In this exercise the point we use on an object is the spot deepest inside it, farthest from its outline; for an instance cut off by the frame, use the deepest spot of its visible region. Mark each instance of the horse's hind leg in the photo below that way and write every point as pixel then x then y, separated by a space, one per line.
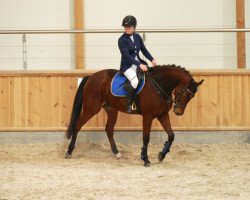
pixel 112 118
pixel 87 113
pixel 82 120
pixel 165 122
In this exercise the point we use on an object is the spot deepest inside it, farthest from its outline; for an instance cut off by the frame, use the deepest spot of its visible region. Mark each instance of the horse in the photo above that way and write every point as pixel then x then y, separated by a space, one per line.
pixel 162 83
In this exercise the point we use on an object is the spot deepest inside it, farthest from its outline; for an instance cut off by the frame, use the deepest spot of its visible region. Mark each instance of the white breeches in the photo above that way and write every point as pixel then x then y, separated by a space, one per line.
pixel 131 75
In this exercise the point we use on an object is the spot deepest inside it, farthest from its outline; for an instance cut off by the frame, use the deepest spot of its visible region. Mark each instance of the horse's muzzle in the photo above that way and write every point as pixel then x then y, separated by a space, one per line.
pixel 178 110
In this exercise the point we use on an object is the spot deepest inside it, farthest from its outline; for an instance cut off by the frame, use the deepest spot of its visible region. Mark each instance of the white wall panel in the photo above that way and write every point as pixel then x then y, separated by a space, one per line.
pixel 192 50
pixel 43 51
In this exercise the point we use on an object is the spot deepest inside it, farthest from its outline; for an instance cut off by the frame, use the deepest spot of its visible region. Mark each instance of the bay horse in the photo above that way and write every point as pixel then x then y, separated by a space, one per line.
pixel 154 101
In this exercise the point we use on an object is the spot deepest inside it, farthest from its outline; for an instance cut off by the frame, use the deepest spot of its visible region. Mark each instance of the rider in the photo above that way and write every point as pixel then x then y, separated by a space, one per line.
pixel 130 44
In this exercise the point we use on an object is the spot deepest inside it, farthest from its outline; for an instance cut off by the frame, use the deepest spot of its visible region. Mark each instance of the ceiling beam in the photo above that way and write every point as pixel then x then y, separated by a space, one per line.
pixel 241 40
pixel 79 37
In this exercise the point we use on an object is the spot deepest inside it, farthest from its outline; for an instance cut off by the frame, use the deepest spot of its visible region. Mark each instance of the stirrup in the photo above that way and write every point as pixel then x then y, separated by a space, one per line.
pixel 133 106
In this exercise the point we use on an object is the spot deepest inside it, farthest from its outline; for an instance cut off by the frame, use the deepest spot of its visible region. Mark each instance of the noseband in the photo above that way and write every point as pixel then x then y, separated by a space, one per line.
pixel 184 91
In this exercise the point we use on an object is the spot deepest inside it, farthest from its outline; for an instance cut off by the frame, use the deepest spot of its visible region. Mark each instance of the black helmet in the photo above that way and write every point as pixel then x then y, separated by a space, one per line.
pixel 129 21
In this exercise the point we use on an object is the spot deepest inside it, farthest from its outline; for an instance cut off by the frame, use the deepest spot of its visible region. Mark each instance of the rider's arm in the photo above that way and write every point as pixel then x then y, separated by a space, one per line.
pixel 144 50
pixel 125 53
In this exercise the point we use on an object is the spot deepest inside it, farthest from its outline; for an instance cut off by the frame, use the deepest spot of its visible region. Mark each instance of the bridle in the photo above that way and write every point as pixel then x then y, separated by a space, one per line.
pixel 184 91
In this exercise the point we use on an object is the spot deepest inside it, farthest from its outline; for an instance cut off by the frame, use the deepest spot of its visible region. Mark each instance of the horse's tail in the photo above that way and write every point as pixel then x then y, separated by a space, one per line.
pixel 77 108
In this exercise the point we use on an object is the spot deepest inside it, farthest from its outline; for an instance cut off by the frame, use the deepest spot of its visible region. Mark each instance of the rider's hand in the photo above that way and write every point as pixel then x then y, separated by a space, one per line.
pixel 154 63
pixel 143 67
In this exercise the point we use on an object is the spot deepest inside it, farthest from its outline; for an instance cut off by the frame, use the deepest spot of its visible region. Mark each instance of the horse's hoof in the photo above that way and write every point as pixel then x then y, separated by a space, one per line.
pixel 147 163
pixel 68 156
pixel 118 155
pixel 160 156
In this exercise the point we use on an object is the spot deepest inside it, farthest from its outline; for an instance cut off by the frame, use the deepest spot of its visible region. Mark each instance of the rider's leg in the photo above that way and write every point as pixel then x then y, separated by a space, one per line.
pixel 132 77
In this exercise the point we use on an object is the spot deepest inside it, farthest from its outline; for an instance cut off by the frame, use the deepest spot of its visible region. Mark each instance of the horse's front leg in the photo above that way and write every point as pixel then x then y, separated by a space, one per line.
pixel 147 123
pixel 165 122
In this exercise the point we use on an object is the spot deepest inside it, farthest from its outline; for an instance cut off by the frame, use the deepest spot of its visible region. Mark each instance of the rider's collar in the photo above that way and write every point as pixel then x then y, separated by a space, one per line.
pixel 129 34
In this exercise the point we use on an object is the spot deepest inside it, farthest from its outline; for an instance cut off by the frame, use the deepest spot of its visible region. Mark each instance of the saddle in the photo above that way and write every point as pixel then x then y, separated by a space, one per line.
pixel 120 81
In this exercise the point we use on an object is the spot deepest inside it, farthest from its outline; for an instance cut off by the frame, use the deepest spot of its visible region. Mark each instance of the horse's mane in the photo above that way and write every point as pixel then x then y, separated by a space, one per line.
pixel 159 67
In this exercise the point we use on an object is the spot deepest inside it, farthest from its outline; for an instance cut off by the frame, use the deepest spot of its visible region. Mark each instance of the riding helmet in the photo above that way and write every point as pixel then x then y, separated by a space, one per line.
pixel 129 21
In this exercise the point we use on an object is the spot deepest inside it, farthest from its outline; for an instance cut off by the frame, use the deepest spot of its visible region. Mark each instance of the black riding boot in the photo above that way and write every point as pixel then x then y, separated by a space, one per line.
pixel 130 98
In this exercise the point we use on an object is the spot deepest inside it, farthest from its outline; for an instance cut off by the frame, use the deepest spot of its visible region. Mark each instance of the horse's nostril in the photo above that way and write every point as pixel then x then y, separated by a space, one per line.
pixel 178 112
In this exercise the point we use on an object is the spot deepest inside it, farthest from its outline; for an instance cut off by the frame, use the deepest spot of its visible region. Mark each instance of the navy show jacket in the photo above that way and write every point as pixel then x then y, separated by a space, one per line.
pixel 129 50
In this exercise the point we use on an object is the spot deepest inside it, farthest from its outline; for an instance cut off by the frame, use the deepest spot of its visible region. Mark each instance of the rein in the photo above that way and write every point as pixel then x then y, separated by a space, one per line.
pixel 154 83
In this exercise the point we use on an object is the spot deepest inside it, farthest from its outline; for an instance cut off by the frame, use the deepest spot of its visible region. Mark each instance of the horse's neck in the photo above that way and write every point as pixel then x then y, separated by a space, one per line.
pixel 169 79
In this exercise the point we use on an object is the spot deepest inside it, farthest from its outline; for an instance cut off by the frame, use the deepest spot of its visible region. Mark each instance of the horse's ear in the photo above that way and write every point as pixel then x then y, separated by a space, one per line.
pixel 200 82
